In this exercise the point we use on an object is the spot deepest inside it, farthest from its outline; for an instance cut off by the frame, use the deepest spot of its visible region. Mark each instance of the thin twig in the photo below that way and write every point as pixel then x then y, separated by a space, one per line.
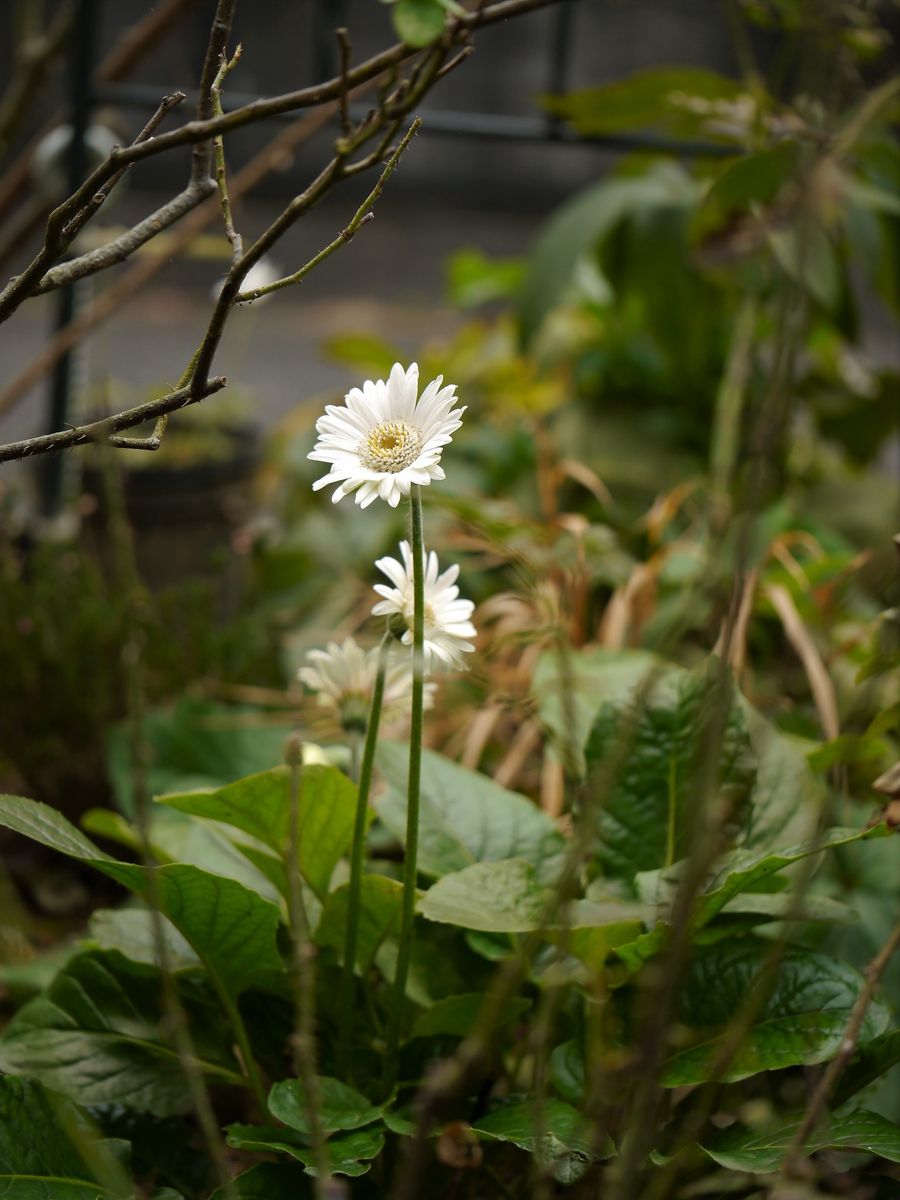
pixel 362 215
pixel 234 238
pixel 100 430
pixel 199 131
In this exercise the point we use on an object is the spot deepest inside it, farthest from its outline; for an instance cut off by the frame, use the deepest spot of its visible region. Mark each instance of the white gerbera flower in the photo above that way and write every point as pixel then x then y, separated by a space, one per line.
pixel 384 439
pixel 447 618
pixel 344 678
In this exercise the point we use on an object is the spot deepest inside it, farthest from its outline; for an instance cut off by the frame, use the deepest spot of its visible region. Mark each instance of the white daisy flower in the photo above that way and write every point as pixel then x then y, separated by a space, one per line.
pixel 447 618
pixel 344 678
pixel 384 440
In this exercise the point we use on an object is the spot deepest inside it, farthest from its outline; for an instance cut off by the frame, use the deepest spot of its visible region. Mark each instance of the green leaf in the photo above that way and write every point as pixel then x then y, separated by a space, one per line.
pixel 801 1020
pixel 762 1150
pixel 196 744
pixel 364 352
pixel 475 279
pixel 230 927
pixel 49 1150
pixel 648 809
pixel 496 897
pixel 568 704
pixel 556 1133
pixel 418 22
pixel 46 825
pixel 869 1063
pixel 465 817
pixel 754 178
pixel 349 1154
pixel 808 256
pixel 580 224
pixel 267 1181
pixel 455 1015
pixel 132 932
pixel 260 805
pixel 648 98
pixel 379 916
pixel 340 1106
pixel 94 1035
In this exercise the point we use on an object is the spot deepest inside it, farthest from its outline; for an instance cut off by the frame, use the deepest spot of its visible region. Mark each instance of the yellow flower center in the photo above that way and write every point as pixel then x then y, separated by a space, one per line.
pixel 390 446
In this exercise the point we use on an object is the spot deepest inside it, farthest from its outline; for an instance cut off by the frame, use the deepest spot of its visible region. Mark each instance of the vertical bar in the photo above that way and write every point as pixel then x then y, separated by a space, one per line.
pixel 560 57
pixel 81 58
pixel 328 15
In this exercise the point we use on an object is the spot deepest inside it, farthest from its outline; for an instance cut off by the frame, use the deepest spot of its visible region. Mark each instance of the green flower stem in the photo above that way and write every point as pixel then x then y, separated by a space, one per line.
pixel 412 796
pixel 357 854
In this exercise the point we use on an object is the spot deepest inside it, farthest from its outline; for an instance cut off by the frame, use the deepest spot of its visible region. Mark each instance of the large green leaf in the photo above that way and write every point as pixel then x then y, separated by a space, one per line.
pixel 465 817
pixel 94 1035
pixel 648 811
pixel 231 928
pixel 349 1153
pixel 556 1133
pixel 496 897
pixel 196 744
pixel 49 1150
pixel 800 1018
pixel 341 1107
pixel 381 899
pixel 568 702
pixel 579 224
pixel 762 1150
pixel 655 98
pixel 132 931
pixel 260 805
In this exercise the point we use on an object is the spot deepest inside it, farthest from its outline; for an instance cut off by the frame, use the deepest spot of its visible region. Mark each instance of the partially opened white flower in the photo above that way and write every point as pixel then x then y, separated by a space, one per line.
pixel 343 676
pixel 385 439
pixel 447 618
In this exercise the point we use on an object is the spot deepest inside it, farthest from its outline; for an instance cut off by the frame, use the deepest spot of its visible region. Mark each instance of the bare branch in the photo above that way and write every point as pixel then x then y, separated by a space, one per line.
pixel 219 32
pixel 135 43
pixel 194 132
pixel 145 269
pixel 362 215
pixel 231 233
pixel 97 431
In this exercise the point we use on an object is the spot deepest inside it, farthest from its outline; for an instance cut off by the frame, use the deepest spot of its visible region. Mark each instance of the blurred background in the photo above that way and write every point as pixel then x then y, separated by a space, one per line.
pixel 656 247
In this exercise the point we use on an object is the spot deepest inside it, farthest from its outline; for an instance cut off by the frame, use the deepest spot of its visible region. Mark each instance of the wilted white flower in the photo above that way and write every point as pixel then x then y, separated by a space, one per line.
pixel 447 618
pixel 384 440
pixel 343 676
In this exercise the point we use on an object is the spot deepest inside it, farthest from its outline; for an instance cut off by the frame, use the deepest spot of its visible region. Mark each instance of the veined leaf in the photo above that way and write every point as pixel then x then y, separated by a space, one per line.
pixel 648 811
pixel 49 1149
pixel 341 1107
pixel 800 1019
pixel 557 1134
pixel 94 1035
pixel 762 1150
pixel 231 928
pixel 869 1063
pixel 260 805
pixel 379 915
pixel 465 817
pixel 349 1153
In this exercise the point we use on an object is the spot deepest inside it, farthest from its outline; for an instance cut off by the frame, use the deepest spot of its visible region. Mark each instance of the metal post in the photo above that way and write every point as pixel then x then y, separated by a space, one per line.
pixel 560 54
pixel 81 59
